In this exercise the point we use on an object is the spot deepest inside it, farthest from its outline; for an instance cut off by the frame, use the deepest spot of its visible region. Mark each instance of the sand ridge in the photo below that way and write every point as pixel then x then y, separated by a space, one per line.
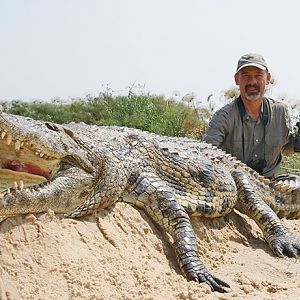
pixel 119 253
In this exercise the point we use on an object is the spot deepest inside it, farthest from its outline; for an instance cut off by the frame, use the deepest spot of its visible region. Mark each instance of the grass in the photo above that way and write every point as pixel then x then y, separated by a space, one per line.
pixel 291 164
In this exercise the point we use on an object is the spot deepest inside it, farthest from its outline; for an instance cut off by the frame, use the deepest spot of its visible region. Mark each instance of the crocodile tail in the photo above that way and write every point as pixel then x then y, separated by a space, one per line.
pixel 286 198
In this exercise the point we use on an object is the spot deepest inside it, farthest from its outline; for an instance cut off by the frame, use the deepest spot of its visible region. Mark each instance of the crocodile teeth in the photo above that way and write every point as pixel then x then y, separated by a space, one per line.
pixel 3 134
pixel 19 186
pixel 8 139
pixel 17 145
pixel 40 154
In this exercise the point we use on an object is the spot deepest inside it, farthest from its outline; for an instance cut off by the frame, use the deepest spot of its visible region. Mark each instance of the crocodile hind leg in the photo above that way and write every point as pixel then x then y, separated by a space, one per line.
pixel 280 239
pixel 286 190
pixel 292 180
pixel 171 216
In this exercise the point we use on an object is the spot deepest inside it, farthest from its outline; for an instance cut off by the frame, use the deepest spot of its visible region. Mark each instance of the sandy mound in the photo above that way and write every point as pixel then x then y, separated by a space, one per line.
pixel 120 254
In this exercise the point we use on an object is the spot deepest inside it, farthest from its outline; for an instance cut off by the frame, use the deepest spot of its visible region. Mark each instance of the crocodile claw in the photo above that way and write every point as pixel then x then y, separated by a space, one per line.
pixel 216 284
pixel 287 244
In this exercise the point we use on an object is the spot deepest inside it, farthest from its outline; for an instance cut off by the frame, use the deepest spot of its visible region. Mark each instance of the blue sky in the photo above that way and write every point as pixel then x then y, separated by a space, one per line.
pixel 71 48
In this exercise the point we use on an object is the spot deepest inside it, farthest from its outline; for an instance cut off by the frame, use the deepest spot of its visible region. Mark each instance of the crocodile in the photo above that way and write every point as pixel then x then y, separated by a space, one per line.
pixel 77 169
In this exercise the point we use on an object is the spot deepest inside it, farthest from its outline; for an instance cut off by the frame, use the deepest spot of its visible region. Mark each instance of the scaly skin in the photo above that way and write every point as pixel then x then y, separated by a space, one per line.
pixel 83 168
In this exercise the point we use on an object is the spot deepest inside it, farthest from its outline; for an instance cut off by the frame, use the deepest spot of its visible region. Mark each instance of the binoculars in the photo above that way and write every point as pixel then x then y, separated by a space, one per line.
pixel 297 139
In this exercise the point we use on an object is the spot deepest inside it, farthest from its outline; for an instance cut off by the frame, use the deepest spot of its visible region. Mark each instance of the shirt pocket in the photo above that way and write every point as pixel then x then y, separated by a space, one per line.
pixel 236 149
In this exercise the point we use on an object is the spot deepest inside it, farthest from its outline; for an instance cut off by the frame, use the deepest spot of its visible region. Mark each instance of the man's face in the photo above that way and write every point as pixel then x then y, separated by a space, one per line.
pixel 252 82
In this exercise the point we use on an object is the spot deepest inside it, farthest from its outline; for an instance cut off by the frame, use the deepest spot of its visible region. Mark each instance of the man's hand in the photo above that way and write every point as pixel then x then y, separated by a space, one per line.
pixel 297 139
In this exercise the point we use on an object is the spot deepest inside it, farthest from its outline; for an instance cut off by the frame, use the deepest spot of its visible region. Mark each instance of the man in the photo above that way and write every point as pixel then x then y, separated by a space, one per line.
pixel 253 128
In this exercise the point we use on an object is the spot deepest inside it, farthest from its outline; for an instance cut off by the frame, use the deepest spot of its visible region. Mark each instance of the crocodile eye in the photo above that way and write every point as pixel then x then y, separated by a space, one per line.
pixel 52 126
pixel 69 132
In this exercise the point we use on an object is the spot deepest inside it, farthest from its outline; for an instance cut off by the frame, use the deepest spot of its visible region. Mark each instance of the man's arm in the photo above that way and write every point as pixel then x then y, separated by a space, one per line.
pixel 288 149
pixel 217 129
pixel 293 139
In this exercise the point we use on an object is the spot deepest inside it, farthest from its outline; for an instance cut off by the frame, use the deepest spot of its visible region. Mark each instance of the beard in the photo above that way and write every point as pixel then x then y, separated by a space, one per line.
pixel 253 95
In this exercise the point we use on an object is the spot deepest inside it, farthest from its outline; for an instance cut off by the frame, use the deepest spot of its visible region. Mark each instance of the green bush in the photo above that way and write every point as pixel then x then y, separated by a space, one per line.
pixel 151 113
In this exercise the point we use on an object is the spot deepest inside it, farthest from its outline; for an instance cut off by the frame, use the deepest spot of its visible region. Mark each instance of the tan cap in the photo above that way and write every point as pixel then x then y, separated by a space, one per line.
pixel 252 59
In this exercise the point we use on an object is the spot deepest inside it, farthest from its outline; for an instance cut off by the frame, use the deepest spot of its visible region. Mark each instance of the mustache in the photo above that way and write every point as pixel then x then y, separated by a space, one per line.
pixel 249 86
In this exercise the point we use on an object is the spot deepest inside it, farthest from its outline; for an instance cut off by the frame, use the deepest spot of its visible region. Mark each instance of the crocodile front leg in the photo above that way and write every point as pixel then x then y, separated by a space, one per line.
pixel 280 239
pixel 110 185
pixel 172 217
pixel 60 195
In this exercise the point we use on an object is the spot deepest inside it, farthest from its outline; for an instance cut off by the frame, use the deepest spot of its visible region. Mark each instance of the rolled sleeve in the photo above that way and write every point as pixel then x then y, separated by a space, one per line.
pixel 288 148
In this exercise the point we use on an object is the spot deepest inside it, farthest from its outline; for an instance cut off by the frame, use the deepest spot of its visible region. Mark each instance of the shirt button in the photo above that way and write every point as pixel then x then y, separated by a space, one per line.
pixel 256 140
pixel 255 155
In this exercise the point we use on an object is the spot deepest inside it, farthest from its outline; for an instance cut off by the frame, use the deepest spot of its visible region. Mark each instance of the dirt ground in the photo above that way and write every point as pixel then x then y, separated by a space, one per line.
pixel 121 254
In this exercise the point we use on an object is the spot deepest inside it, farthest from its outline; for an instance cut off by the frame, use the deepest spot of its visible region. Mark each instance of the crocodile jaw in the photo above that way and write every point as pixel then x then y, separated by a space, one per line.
pixel 18 180
pixel 21 166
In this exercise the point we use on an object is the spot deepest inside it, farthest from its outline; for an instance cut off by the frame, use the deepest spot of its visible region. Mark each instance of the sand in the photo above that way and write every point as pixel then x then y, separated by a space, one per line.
pixel 120 254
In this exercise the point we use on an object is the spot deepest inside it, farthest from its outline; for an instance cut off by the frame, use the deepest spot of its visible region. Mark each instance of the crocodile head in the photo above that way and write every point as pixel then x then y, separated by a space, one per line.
pixel 32 151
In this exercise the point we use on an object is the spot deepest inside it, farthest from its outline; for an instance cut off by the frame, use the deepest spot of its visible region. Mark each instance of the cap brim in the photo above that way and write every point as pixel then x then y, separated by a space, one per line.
pixel 252 65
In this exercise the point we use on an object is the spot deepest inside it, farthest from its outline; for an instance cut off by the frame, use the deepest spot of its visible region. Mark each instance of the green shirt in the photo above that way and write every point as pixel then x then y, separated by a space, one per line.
pixel 226 131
